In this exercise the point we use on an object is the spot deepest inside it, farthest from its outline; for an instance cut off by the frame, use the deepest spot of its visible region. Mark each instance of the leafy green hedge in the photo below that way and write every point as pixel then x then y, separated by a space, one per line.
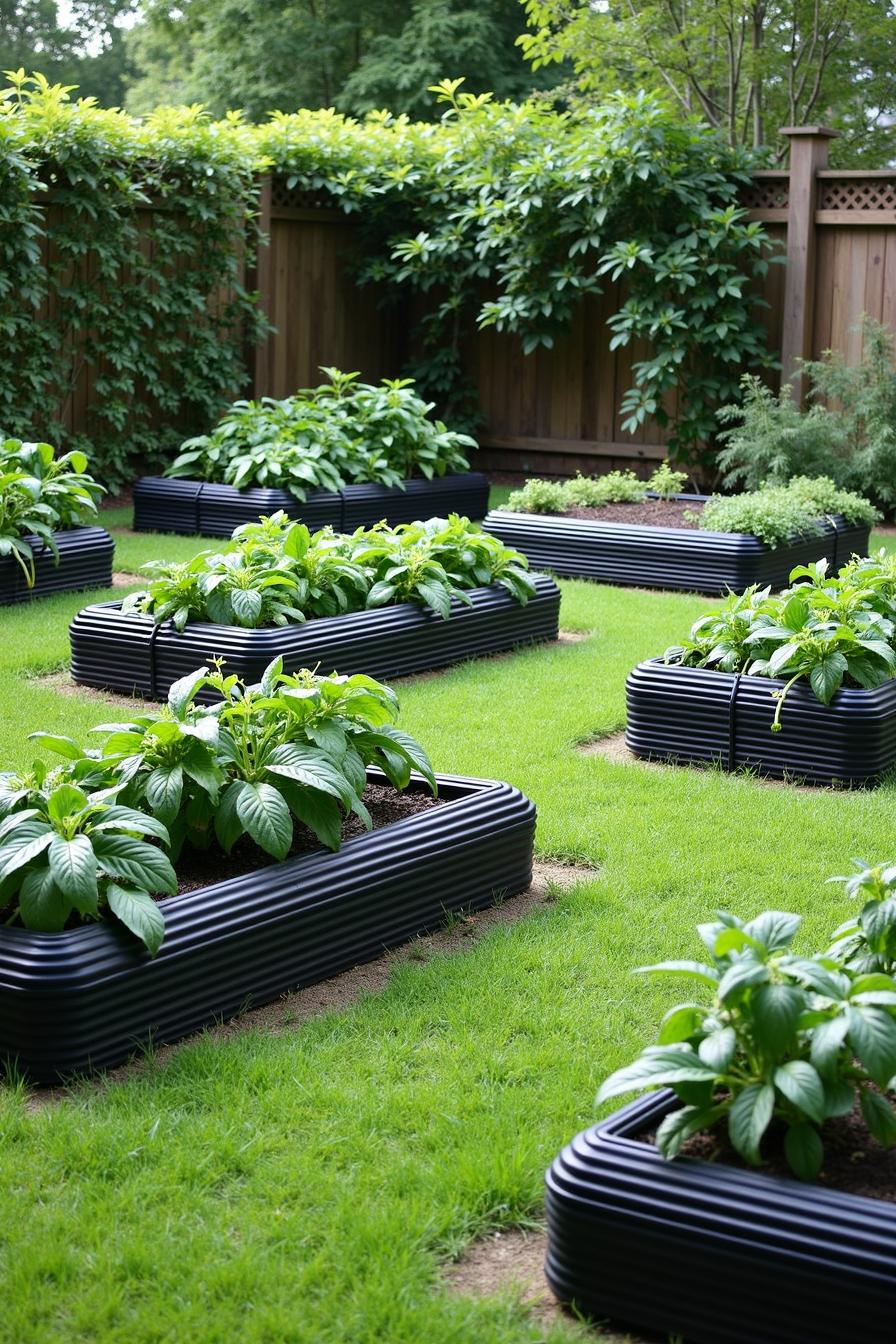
pixel 126 288
pixel 502 215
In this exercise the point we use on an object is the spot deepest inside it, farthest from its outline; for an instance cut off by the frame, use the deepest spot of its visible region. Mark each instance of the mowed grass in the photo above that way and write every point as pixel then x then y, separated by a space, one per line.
pixel 309 1185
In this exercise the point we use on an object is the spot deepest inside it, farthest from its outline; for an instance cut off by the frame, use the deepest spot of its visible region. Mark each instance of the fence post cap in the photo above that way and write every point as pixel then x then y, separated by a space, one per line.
pixel 820 132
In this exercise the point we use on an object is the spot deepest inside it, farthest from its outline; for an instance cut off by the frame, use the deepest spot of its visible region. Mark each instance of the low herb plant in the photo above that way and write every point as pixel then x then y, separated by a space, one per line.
pixel 615 487
pixel 262 757
pixel 774 1036
pixel 40 494
pixel 343 432
pixel 278 573
pixel 775 513
pixel 830 631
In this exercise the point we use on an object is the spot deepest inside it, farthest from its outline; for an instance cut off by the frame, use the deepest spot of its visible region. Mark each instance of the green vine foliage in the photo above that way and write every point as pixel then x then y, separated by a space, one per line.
pixel 499 215
pixel 507 216
pixel 142 227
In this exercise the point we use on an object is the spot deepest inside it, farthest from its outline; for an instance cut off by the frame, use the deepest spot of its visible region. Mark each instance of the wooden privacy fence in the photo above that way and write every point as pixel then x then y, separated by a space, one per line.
pixel 557 410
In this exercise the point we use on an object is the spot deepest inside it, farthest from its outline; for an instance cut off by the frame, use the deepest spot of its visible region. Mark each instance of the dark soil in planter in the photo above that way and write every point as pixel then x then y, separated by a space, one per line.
pixel 854 1162
pixel 199 868
pixel 649 513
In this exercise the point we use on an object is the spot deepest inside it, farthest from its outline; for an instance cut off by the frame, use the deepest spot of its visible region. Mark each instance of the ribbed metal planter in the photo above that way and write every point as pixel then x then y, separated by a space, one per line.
pixel 163 505
pixel 133 654
pixel 85 561
pixel 690 714
pixel 712 1253
pixel 86 998
pixel 668 557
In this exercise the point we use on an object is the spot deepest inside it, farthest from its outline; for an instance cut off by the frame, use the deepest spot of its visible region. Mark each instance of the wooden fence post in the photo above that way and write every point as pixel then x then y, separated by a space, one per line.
pixel 808 155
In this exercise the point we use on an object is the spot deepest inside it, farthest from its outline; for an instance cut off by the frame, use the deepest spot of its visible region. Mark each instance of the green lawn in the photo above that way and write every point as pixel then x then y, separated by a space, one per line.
pixel 307 1186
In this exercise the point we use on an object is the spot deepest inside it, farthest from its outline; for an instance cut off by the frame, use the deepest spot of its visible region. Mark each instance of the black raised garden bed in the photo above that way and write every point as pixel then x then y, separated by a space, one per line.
pixel 132 654
pixel 688 714
pixel 86 998
pixel 85 561
pixel 710 1252
pixel 668 557
pixel 201 507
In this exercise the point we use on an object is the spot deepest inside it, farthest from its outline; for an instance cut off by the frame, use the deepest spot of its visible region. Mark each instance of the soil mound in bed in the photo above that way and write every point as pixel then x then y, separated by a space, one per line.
pixel 649 513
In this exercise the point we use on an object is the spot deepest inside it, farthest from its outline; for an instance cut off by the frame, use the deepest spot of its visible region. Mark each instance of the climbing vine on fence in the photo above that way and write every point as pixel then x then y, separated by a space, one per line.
pixel 121 250
pixel 510 216
pixel 122 246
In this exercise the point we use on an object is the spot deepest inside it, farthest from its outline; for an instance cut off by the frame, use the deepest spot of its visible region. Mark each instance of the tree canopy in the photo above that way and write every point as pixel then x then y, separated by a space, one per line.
pixel 747 67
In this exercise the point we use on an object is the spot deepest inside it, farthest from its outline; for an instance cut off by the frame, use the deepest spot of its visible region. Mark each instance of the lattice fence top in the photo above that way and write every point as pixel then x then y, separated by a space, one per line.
pixel 874 193
pixel 294 198
pixel 766 194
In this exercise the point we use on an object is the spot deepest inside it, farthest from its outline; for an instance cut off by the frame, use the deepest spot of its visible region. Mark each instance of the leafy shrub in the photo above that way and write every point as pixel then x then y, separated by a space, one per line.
pixel 591 492
pixel 784 1038
pixel 40 494
pixel 852 440
pixel 325 437
pixel 775 513
pixel 277 573
pixel 290 748
pixel 828 631
pixel 143 278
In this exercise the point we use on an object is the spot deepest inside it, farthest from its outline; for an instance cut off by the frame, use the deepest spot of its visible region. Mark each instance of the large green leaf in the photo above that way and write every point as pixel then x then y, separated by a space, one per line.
pixel 775 1011
pixel 877 1112
pixel 139 913
pixel 22 845
pixel 318 811
pixel 73 867
pixel 263 811
pixel 310 767
pixel 802 1086
pixel 42 905
pixel 749 1118
pixel 164 790
pixel 135 862
pixel 681 1124
pixel 872 1035
pixel 803 1150
pixel 228 827
pixel 658 1066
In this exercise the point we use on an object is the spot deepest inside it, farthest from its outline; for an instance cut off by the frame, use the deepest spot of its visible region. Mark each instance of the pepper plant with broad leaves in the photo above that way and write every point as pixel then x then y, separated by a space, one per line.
pixel 288 748
pixel 70 848
pixel 830 631
pixel 278 573
pixel 771 1036
pixel 343 432
pixel 41 494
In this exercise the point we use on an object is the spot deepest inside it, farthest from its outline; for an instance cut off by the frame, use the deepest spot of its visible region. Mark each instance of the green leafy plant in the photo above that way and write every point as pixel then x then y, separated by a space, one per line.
pixel 847 433
pixel 140 277
pixel 782 1039
pixel 261 757
pixel 829 631
pixel 65 851
pixel 325 437
pixel 867 942
pixel 665 482
pixel 775 513
pixel 40 494
pixel 290 747
pixel 278 573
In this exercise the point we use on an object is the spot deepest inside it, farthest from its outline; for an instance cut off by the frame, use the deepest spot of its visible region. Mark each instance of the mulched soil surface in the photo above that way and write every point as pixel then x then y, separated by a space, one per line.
pixel 649 513
pixel 854 1162
pixel 196 868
